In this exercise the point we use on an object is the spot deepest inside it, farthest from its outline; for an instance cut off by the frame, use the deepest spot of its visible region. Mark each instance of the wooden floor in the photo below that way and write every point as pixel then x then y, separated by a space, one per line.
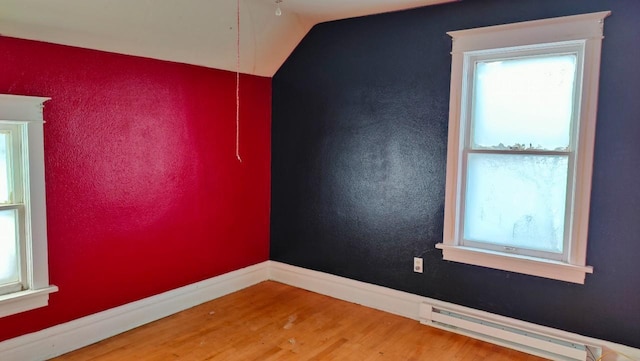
pixel 272 321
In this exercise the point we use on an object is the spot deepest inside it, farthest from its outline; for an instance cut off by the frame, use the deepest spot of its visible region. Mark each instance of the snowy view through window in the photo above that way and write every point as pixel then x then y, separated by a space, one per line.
pixel 518 160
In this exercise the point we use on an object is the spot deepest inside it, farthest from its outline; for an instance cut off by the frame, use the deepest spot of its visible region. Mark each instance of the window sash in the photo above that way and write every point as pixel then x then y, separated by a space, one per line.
pixel 501 62
pixel 513 248
pixel 11 288
pixel 471 58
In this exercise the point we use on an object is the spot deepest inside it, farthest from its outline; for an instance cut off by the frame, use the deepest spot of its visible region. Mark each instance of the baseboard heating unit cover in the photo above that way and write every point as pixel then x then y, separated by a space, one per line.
pixel 501 332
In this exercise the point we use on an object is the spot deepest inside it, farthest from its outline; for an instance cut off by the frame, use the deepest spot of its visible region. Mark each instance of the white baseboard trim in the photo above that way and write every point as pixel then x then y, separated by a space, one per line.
pixel 69 336
pixel 408 305
pixel 66 337
pixel 381 298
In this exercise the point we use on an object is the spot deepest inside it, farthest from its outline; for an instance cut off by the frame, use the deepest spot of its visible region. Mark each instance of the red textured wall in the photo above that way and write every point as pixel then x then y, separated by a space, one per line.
pixel 144 193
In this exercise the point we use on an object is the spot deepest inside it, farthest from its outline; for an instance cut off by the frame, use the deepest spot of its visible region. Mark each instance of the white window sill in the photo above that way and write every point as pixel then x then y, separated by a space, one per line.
pixel 516 263
pixel 17 302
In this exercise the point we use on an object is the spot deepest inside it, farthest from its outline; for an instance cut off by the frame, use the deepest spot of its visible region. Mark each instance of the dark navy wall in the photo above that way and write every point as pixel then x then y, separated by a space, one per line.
pixel 359 133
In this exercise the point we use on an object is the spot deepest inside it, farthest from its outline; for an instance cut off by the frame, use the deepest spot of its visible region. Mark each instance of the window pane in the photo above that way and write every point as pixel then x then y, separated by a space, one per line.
pixel 526 101
pixel 516 200
pixel 9 252
pixel 4 169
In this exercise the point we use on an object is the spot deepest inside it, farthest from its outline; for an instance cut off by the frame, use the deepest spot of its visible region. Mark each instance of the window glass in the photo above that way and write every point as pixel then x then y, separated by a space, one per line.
pixel 9 271
pixel 5 164
pixel 524 102
pixel 515 200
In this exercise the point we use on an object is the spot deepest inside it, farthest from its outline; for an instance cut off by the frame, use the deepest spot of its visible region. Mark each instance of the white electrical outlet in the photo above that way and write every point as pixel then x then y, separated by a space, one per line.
pixel 417 264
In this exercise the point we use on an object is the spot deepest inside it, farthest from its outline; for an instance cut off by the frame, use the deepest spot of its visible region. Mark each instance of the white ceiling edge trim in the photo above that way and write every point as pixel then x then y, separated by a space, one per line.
pixel 203 34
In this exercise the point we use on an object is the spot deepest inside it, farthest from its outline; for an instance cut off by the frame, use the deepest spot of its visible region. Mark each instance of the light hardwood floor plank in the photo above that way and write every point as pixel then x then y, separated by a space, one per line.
pixel 273 321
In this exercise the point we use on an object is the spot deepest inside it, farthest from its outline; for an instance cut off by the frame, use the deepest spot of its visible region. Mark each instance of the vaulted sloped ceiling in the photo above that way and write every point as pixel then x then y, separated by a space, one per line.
pixel 200 32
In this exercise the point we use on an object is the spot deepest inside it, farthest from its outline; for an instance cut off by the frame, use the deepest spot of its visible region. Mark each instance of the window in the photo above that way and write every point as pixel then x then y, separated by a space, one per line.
pixel 521 137
pixel 24 279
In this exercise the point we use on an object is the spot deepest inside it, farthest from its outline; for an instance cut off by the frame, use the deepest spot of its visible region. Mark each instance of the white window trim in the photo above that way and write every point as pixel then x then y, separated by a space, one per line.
pixel 586 27
pixel 28 110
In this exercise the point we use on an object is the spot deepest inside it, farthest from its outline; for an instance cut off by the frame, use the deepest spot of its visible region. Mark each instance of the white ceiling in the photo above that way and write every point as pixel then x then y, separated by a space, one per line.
pixel 200 32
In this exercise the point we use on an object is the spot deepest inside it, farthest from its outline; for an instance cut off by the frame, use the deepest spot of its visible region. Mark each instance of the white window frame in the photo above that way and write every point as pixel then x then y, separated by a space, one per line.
pixel 582 31
pixel 25 113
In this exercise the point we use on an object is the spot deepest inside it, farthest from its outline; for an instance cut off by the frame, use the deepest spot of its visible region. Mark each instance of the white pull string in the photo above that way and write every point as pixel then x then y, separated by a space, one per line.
pixel 238 82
